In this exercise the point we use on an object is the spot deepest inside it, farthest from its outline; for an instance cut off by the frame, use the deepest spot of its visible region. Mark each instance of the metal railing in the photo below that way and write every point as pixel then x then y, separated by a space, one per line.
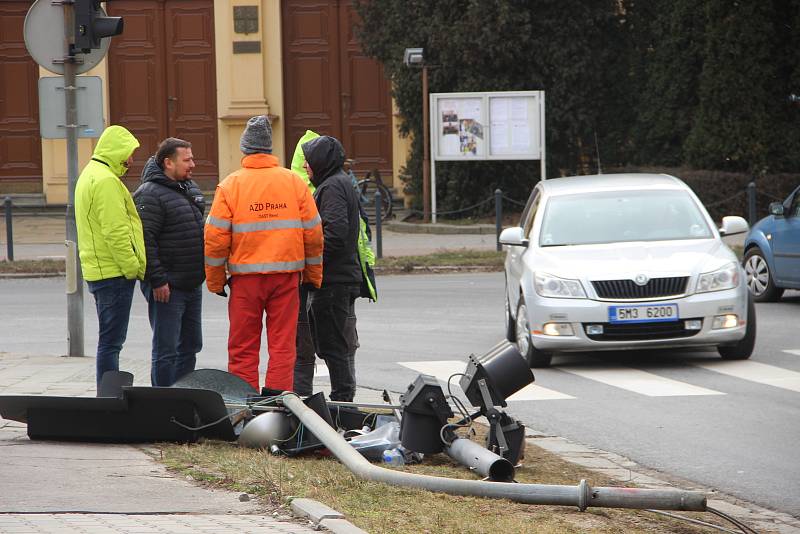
pixel 8 206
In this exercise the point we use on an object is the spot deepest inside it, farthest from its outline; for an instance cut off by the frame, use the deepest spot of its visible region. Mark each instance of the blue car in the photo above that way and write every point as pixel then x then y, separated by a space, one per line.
pixel 772 251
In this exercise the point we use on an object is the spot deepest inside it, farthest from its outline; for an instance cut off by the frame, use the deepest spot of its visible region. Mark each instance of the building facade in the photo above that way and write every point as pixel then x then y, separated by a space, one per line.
pixel 198 69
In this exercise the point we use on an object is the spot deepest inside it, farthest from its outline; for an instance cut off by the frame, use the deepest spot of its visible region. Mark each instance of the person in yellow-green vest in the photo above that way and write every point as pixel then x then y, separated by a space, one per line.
pixel 110 240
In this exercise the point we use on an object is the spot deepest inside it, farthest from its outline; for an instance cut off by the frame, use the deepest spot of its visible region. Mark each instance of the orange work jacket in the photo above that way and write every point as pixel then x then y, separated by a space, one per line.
pixel 263 220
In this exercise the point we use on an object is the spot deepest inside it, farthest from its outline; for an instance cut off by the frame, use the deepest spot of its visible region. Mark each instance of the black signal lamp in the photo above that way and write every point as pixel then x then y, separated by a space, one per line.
pixel 425 412
pixel 92 25
pixel 501 372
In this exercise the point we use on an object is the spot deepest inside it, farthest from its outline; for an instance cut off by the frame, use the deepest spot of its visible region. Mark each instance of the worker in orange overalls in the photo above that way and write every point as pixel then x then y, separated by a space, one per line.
pixel 264 226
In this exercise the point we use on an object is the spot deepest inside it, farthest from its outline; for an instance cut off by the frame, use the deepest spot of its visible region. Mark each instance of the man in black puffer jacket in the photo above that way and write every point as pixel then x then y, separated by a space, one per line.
pixel 171 207
pixel 333 305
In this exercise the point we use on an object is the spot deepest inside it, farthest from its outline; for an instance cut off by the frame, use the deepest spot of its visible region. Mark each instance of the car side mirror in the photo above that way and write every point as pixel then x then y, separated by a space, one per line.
pixel 514 236
pixel 776 209
pixel 733 224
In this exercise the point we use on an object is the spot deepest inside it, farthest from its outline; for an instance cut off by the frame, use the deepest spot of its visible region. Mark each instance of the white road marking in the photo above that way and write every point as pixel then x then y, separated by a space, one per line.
pixel 444 369
pixel 756 372
pixel 796 352
pixel 321 369
pixel 639 381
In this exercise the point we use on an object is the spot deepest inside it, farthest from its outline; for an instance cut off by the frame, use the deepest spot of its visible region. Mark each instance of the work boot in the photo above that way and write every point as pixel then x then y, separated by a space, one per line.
pixel 269 392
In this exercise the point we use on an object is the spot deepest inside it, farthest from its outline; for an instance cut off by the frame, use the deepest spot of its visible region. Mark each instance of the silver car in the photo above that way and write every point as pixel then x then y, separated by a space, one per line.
pixel 623 261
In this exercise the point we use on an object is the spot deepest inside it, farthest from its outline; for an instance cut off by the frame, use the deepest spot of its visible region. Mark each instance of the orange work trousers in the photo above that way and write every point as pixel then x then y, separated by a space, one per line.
pixel 251 296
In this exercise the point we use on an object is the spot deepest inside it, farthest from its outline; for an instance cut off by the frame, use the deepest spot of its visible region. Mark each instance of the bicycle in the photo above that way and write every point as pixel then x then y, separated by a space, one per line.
pixel 366 188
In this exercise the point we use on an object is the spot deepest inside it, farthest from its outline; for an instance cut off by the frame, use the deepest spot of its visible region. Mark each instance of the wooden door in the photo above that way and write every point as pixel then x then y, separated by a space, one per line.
pixel 20 142
pixel 162 80
pixel 331 87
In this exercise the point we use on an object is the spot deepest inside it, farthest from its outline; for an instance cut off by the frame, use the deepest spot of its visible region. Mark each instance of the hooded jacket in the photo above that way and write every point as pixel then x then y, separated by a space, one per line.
pixel 338 207
pixel 110 239
pixel 299 158
pixel 172 217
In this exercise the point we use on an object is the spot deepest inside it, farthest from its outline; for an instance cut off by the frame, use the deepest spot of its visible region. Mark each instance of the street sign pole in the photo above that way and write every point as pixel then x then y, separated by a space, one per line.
pixel 74 274
pixel 51 35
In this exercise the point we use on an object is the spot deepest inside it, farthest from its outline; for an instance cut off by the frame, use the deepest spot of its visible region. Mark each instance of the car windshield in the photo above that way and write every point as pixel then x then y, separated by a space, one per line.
pixel 620 216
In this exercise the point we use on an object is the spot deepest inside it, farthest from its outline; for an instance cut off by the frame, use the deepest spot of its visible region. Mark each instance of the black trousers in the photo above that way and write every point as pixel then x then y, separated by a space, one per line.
pixel 306 354
pixel 333 322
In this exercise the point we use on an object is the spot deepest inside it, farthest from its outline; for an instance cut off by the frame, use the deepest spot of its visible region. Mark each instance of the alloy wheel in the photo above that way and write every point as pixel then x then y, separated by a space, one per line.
pixel 757 272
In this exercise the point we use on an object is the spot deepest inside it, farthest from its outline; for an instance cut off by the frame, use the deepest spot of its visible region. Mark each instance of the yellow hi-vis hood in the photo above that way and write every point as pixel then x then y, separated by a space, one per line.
pixel 299 158
pixel 114 147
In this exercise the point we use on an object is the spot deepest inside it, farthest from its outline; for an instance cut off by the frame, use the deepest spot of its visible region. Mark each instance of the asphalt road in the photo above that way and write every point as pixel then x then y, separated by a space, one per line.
pixel 733 428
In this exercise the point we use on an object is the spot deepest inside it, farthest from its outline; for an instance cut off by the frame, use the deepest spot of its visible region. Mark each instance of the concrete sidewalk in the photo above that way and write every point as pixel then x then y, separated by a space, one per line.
pixel 42 236
pixel 49 486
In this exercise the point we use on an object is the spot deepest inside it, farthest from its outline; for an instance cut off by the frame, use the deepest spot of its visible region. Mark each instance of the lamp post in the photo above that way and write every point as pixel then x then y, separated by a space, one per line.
pixel 414 57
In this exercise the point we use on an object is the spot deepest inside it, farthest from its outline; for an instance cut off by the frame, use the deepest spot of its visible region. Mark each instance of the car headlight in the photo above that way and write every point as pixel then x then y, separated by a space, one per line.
pixel 725 278
pixel 547 285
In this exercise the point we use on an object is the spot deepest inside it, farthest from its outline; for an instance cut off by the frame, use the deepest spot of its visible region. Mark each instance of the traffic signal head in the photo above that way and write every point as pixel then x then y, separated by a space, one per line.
pixel 92 24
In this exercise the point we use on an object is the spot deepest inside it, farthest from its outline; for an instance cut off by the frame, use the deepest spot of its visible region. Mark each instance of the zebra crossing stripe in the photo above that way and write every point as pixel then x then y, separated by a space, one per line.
pixel 760 373
pixel 444 369
pixel 639 381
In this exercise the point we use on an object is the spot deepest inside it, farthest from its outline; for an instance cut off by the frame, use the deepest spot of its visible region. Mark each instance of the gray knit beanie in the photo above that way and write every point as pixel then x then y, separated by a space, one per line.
pixel 257 136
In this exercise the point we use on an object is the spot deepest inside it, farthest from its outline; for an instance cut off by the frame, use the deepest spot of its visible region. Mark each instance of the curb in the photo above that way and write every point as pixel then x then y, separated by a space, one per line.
pixel 439 228
pixel 416 269
pixel 30 275
pixel 625 471
pixel 425 269
pixel 324 516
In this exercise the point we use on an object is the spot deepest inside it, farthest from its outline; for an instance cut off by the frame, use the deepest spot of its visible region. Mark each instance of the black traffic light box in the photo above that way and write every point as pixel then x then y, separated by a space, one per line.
pixel 92 24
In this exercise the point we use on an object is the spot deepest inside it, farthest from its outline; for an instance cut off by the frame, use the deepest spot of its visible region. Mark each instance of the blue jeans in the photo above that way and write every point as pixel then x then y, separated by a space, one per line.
pixel 177 333
pixel 112 298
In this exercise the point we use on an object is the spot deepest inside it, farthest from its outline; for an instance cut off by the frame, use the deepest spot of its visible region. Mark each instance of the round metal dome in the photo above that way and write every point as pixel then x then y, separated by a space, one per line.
pixel 267 429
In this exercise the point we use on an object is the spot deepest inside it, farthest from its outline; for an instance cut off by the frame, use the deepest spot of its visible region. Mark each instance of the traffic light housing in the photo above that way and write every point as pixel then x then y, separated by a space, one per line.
pixel 92 24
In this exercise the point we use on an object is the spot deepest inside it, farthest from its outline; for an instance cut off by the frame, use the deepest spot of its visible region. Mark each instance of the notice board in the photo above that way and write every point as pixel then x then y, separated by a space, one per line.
pixel 493 125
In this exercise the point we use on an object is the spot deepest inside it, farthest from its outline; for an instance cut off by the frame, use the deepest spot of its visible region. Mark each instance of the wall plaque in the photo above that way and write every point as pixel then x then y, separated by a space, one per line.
pixel 245 19
pixel 247 47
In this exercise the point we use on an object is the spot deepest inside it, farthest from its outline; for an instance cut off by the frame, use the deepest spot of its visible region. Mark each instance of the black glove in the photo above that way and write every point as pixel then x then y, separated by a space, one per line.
pixel 223 293
pixel 309 287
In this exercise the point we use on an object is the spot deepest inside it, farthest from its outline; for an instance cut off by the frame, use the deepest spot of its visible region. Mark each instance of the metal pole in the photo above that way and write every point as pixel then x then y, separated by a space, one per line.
pixel 9 230
pixel 482 460
pixel 498 216
pixel 751 202
pixel 542 162
pixel 433 191
pixel 582 495
pixel 378 225
pixel 73 265
pixel 426 176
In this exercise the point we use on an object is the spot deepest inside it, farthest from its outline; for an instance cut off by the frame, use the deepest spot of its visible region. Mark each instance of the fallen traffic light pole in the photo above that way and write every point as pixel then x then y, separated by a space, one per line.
pixel 582 496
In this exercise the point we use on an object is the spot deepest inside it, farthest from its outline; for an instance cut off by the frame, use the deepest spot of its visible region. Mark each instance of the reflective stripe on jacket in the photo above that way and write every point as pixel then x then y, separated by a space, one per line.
pixel 263 220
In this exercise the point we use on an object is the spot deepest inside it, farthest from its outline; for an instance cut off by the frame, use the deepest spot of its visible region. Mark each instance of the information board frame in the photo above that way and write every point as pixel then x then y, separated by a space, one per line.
pixel 489 125
pixel 468 126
